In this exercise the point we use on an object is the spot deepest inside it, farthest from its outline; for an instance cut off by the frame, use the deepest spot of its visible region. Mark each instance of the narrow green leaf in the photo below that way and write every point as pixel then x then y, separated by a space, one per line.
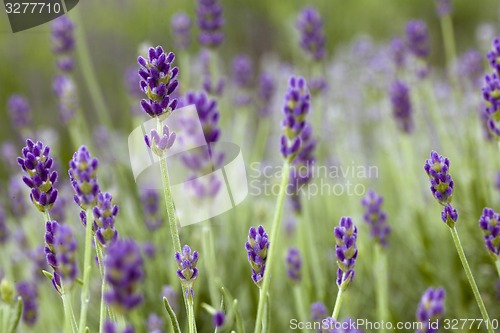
pixel 18 311
pixel 239 318
pixel 48 275
pixel 172 316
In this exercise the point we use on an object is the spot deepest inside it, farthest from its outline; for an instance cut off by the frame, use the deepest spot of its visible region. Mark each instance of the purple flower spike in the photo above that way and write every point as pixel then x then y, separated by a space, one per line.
pixel 158 82
pixel 494 55
pixel 398 52
pixel 489 223
pixel 160 144
pixel 4 231
pixel 17 198
pixel 417 38
pixel 242 71
pixel 470 66
pixel 297 100
pixel 346 250
pixel 151 203
pixel 29 294
pixel 491 95
pixel 218 319
pixel 438 170
pixel 187 271
pixel 63 42
pixel 430 309
pixel 111 327
pixel 294 264
pixel 41 177
pixel 50 252
pixel 208 112
pixel 66 91
pixel 376 217
pixel 104 219
pixel 257 248
pixel 19 111
pixel 83 177
pixel 401 106
pixel 210 22
pixel 449 215
pixel 124 272
pixel 443 7
pixel 65 249
pixel 181 30
pixel 318 311
pixel 155 323
pixel 267 89
pixel 312 36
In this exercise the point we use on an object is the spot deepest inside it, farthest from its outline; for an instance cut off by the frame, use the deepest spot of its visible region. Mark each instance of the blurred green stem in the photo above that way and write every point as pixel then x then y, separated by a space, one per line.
pixel 192 323
pixel 380 274
pixel 208 250
pixel 312 252
pixel 88 72
pixel 102 269
pixel 448 40
pixel 272 247
pixel 87 267
pixel 470 277
pixel 498 266
pixel 68 323
pixel 299 302
pixel 260 140
pixel 172 221
pixel 338 304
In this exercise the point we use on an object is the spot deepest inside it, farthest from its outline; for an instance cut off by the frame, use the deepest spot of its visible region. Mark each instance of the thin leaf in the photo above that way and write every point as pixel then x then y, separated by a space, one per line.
pixel 18 311
pixel 239 320
pixel 171 314
pixel 48 275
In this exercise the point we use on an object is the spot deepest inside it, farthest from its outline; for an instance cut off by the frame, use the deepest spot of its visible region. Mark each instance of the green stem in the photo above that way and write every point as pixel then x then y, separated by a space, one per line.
pixel 498 266
pixel 208 250
pixel 88 72
pixel 260 140
pixel 68 322
pixel 172 222
pixel 313 253
pixel 87 267
pixel 299 302
pixel 448 39
pixel 470 277
pixel 102 269
pixel 380 273
pixel 338 304
pixel 192 323
pixel 274 241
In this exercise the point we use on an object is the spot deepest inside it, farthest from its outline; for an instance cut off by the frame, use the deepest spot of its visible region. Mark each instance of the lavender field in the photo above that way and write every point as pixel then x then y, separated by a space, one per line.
pixel 267 167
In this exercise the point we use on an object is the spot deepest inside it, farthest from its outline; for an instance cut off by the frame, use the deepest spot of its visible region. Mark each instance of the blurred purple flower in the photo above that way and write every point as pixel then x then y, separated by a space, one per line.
pixel 172 296
pixel 294 264
pixel 417 38
pixel 63 42
pixel 376 217
pixel 312 36
pixel 65 250
pixel 155 323
pixel 218 319
pixel 83 177
pixel 210 22
pixel 493 56
pixel 110 327
pixel 208 112
pixel 257 249
pixel 489 223
pixel 443 7
pixel 19 111
pixel 401 106
pixel 181 30
pixel 397 50
pixel 346 251
pixel 4 231
pixel 430 309
pixel 491 95
pixel 66 91
pixel 470 66
pixel 151 204
pixel 29 294
pixel 16 198
pixel 267 89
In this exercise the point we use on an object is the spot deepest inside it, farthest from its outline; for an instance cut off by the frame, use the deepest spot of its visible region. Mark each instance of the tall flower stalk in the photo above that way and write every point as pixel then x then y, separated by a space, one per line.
pixel 437 168
pixel 297 101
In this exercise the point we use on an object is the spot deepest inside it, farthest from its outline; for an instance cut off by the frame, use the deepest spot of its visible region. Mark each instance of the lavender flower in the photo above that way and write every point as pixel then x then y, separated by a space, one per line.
pixel 63 42
pixel 17 198
pixel 449 215
pixel 50 252
pixel 19 111
pixel 29 294
pixel 497 181
pixel 242 71
pixel 346 250
pixel 438 168
pixel 38 166
pixel 149 249
pixel 294 264
pixel 37 256
pixel 212 87
pixel 318 311
pixel 312 37
pixel 218 319
pixel 296 107
pixel 155 323
pixel 160 144
pixel 187 271
pixel 417 38
pixel 470 66
pixel 158 82
pixel 489 223
pixel 4 231
pixel 397 50
pixel 104 219
pixel 208 112
pixel 124 271
pixel 493 56
pixel 210 22
pixel 83 177
pixel 181 30
pixel 66 91
pixel 151 203
pixel 375 217
pixel 443 7
pixel 430 309
pixel 8 154
pixel 65 251
pixel 401 106
pixel 110 327
pixel 267 89
pixel 171 295
pixel 491 97
pixel 257 249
